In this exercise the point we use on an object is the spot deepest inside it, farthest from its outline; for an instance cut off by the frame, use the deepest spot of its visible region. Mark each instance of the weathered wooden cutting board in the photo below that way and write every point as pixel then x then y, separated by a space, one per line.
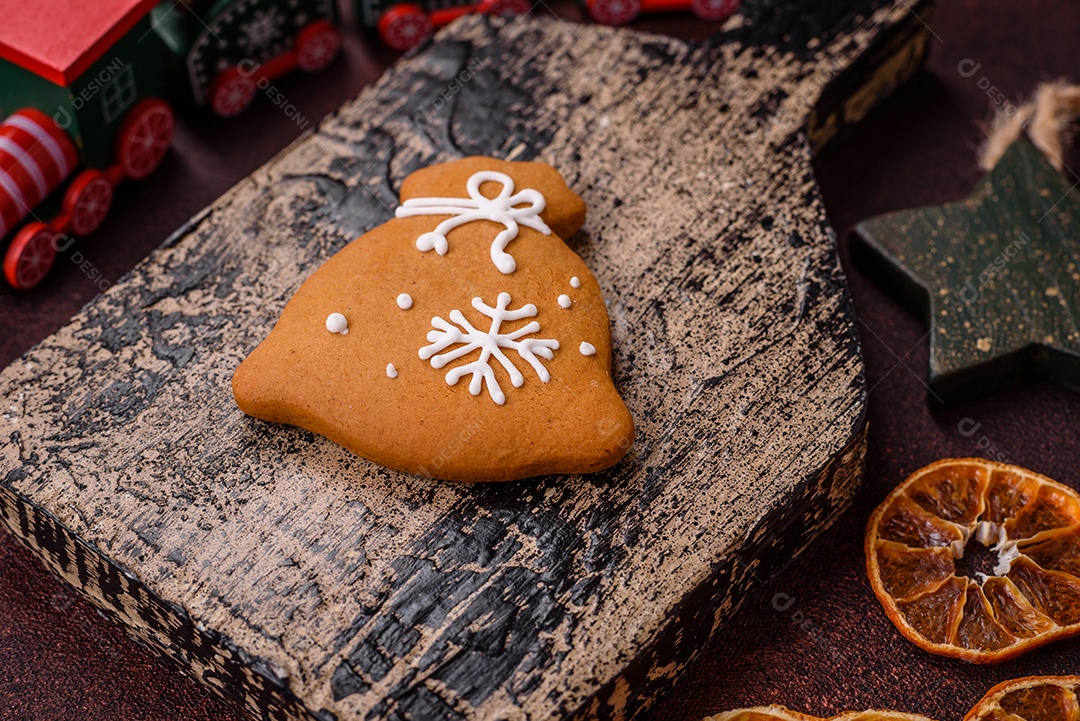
pixel 298 580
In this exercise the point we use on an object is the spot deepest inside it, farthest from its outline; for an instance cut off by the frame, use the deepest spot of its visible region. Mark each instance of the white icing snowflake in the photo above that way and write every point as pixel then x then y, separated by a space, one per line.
pixel 490 343
pixel 508 208
pixel 261 30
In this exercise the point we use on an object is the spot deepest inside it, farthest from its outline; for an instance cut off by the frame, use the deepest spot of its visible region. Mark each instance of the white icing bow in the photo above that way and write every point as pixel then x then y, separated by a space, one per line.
pixel 503 208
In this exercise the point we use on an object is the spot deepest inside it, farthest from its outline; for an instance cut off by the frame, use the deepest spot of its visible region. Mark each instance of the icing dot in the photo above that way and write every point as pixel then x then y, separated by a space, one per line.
pixel 336 323
pixel 564 301
pixel 575 282
pixel 587 348
pixel 404 301
pixel 391 371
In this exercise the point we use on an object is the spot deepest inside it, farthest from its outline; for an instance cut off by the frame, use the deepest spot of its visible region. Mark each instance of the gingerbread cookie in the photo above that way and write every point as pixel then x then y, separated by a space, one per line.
pixel 461 340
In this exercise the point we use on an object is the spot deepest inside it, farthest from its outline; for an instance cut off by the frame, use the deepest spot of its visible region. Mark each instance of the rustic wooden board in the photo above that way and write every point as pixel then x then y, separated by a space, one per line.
pixel 995 276
pixel 298 580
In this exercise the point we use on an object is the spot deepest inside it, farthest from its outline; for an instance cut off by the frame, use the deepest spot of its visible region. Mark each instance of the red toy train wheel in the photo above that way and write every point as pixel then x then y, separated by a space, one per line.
pixel 405 26
pixel 614 12
pixel 714 10
pixel 316 46
pixel 30 256
pixel 87 201
pixel 231 93
pixel 506 7
pixel 144 138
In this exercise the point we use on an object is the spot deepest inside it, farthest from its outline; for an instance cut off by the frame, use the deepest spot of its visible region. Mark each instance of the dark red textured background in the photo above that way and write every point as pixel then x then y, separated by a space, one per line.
pixel 814 638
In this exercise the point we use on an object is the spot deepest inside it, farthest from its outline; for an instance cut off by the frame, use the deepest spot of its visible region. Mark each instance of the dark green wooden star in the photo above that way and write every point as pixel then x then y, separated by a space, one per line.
pixel 997 275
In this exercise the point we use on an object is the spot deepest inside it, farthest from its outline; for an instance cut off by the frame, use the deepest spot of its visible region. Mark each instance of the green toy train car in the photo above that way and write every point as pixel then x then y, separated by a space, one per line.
pixel 219 52
pixel 79 94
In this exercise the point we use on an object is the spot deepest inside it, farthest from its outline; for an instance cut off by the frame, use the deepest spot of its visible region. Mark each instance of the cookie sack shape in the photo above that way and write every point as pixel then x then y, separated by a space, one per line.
pixel 461 340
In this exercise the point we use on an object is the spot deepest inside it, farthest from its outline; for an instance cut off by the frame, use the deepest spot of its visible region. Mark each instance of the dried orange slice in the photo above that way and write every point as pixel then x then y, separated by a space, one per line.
pixel 977 560
pixel 779 713
pixel 1035 698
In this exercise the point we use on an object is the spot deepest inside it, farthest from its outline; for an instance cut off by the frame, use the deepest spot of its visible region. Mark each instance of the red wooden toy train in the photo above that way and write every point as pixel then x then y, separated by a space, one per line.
pixel 81 95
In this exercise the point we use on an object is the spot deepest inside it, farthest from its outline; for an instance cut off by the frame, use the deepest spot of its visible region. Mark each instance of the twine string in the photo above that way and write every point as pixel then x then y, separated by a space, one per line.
pixel 1045 118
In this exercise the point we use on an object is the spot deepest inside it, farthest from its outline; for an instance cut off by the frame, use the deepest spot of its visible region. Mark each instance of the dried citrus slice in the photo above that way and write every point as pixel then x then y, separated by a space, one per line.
pixel 779 713
pixel 1035 698
pixel 977 560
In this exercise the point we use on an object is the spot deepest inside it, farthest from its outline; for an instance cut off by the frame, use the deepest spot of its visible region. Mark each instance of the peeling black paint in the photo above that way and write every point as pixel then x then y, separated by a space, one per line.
pixel 241 679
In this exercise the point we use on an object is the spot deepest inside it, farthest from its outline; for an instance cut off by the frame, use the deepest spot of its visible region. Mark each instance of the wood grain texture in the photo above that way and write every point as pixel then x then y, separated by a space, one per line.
pixel 995 275
pixel 299 580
